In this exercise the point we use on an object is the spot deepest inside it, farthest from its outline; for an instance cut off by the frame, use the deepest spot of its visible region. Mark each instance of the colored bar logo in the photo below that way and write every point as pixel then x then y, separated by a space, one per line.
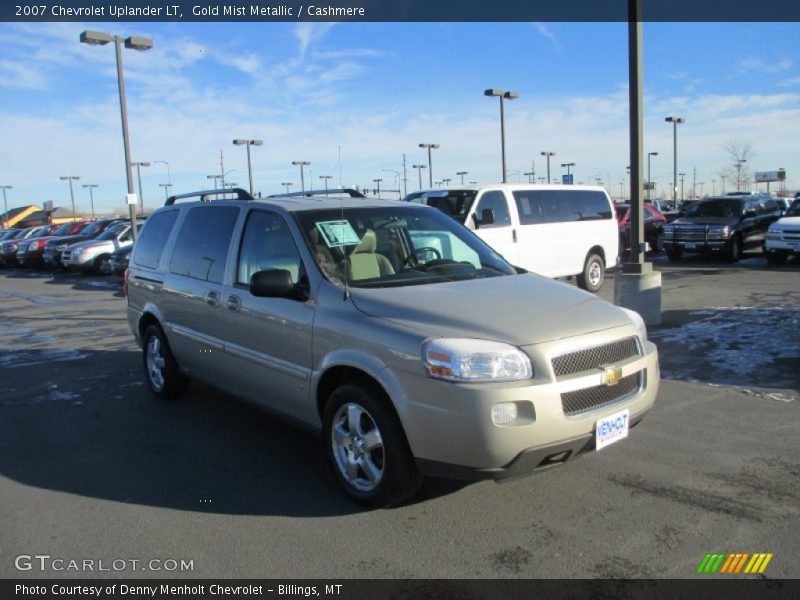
pixel 734 563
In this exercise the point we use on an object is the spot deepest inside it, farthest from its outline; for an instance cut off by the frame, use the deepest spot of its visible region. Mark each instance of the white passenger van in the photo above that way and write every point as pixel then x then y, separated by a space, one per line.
pixel 552 230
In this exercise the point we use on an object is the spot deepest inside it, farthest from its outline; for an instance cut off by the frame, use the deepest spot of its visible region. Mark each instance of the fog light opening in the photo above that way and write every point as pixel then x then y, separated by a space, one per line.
pixel 504 413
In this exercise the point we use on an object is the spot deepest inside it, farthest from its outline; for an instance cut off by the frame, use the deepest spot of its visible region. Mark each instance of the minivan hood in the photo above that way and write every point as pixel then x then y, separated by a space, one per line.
pixel 787 221
pixel 516 309
pixel 706 221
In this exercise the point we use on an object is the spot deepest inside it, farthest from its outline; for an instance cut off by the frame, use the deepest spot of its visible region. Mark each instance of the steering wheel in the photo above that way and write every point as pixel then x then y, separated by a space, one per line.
pixel 423 250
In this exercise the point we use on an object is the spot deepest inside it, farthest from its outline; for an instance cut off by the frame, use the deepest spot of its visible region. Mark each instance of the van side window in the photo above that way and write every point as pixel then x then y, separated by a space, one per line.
pixel 561 206
pixel 267 244
pixel 201 247
pixel 150 244
pixel 496 202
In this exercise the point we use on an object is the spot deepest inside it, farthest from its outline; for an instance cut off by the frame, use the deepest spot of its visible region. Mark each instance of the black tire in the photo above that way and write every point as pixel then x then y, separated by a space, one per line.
pixel 734 253
pixel 658 246
pixel 674 255
pixel 357 412
pixel 102 264
pixel 591 278
pixel 157 356
pixel 775 257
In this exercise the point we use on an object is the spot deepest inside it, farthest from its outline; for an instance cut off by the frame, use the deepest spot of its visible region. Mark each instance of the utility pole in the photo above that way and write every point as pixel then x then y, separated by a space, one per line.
pixel 405 177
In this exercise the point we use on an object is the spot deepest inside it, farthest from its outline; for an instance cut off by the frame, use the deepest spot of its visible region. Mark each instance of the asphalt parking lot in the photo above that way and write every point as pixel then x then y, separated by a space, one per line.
pixel 92 467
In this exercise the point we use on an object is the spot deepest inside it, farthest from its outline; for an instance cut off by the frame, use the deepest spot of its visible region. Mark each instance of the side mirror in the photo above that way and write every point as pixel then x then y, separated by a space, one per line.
pixel 486 218
pixel 275 283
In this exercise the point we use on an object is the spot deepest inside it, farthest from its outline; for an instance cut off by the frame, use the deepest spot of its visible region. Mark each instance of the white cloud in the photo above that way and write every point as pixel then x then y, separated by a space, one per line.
pixel 310 33
pixel 21 76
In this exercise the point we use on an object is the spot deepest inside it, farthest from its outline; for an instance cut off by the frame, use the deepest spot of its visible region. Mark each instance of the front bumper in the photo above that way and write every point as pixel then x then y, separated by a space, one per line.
pixel 699 246
pixel 77 262
pixel 451 433
pixel 782 246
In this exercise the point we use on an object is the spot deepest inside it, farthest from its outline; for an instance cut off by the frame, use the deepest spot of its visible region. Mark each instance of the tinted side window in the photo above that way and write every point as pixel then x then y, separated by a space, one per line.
pixel 496 202
pixel 267 244
pixel 150 244
pixel 546 206
pixel 201 247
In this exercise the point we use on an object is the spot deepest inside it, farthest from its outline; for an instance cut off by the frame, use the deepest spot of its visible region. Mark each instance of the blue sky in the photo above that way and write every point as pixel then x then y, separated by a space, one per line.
pixel 376 91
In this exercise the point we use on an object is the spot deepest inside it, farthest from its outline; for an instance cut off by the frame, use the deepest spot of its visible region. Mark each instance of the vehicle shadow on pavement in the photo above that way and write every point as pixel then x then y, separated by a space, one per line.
pixel 88 426
pixel 739 346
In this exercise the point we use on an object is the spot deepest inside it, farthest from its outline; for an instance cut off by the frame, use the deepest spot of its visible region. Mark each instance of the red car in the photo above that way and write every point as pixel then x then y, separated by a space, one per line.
pixel 654 223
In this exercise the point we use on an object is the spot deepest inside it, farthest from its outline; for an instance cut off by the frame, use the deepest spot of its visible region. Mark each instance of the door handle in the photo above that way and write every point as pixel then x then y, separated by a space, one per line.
pixel 234 303
pixel 514 235
pixel 212 298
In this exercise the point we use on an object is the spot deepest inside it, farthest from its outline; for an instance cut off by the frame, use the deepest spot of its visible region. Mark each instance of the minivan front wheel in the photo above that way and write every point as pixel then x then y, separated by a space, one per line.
pixel 594 269
pixel 160 367
pixel 366 447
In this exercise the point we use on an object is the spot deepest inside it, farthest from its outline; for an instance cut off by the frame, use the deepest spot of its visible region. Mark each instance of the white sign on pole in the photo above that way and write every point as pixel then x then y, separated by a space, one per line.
pixel 131 198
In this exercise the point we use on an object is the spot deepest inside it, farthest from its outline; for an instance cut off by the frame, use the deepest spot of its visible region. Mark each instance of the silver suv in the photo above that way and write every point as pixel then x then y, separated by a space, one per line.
pixel 411 344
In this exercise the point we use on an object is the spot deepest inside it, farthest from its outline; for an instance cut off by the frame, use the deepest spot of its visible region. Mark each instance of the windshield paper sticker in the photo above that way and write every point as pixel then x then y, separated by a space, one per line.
pixel 338 233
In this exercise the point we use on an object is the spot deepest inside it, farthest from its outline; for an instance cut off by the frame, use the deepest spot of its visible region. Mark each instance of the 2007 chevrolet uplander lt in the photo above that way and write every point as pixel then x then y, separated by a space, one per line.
pixel 412 345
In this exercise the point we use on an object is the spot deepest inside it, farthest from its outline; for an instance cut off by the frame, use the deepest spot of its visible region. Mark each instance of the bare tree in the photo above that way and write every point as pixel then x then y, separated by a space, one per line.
pixel 740 153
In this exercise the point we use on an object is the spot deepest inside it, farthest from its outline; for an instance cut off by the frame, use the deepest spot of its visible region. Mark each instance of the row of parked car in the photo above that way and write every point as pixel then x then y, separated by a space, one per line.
pixel 100 246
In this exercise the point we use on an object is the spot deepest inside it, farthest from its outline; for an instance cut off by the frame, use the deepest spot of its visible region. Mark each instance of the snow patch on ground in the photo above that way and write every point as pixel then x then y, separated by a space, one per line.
pixel 741 342
pixel 25 358
pixel 53 394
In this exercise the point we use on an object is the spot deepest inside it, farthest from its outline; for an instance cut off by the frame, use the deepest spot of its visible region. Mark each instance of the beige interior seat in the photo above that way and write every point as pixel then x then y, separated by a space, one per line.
pixel 365 263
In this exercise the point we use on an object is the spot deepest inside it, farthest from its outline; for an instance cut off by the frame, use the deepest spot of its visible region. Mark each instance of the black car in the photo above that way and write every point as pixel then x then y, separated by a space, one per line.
pixel 10 246
pixel 726 225
pixel 117 262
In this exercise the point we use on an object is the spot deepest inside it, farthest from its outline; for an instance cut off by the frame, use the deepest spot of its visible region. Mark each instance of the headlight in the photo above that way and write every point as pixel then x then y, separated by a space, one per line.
pixel 638 322
pixel 721 232
pixel 669 229
pixel 78 251
pixel 466 359
pixel 61 247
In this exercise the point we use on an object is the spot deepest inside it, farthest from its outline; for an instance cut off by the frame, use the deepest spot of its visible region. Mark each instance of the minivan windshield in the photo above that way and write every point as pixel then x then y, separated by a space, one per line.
pixel 454 203
pixel 721 207
pixel 396 246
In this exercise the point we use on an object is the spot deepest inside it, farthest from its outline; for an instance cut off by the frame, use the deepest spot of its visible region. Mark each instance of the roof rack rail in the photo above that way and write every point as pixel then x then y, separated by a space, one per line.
pixel 331 191
pixel 205 195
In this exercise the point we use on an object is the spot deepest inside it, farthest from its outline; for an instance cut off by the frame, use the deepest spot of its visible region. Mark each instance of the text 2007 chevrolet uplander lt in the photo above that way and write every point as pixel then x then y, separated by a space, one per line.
pixel 411 344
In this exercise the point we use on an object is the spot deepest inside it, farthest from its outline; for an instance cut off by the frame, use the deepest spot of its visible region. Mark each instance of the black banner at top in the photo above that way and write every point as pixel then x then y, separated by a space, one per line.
pixel 397 10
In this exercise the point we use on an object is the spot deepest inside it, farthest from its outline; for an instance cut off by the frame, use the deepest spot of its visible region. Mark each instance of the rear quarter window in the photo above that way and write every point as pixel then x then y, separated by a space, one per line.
pixel 150 245
pixel 561 206
pixel 201 248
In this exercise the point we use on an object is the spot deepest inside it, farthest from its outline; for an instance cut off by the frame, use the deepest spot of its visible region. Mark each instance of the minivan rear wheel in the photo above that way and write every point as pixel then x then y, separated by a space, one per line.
pixel 160 367
pixel 594 269
pixel 366 446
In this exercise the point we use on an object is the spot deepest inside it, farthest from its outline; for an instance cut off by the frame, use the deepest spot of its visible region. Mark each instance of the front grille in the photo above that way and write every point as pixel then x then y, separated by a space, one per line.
pixel 591 398
pixel 595 357
pixel 65 256
pixel 690 234
pixel 791 235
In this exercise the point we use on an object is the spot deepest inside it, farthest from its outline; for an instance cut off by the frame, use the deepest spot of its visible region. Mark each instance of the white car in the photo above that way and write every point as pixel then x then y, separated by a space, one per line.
pixel 552 230
pixel 783 236
pixel 88 255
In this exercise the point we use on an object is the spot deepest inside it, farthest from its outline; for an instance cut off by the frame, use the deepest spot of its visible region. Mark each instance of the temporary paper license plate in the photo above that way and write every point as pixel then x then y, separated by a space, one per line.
pixel 690 245
pixel 611 429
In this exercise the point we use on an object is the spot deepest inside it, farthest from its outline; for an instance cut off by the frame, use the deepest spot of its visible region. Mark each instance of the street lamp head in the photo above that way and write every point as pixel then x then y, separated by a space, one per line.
pixel 65 177
pixel 239 142
pixel 95 38
pixel 419 166
pixel 543 153
pixel 429 145
pixel 493 92
pixel 511 95
pixel 300 162
pixel 652 153
pixel 136 42
pixel 677 120
pixel 256 142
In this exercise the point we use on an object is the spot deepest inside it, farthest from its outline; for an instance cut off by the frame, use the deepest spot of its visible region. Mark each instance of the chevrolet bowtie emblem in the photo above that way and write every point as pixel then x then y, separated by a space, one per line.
pixel 611 375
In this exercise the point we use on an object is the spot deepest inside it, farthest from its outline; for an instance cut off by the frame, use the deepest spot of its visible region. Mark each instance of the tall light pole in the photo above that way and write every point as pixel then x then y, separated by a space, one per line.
pixel 248 143
pixel 568 165
pixel 675 122
pixel 95 38
pixel 462 173
pixel 529 175
pixel 397 176
pixel 503 96
pixel 548 155
pixel 739 164
pixel 378 181
pixel 301 164
pixel 430 164
pixel 139 166
pixel 215 178
pixel 91 187
pixel 723 178
pixel 649 180
pixel 166 187
pixel 5 203
pixel 71 178
pixel 169 174
pixel 681 175
pixel 325 177
pixel 288 185
pixel 419 172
